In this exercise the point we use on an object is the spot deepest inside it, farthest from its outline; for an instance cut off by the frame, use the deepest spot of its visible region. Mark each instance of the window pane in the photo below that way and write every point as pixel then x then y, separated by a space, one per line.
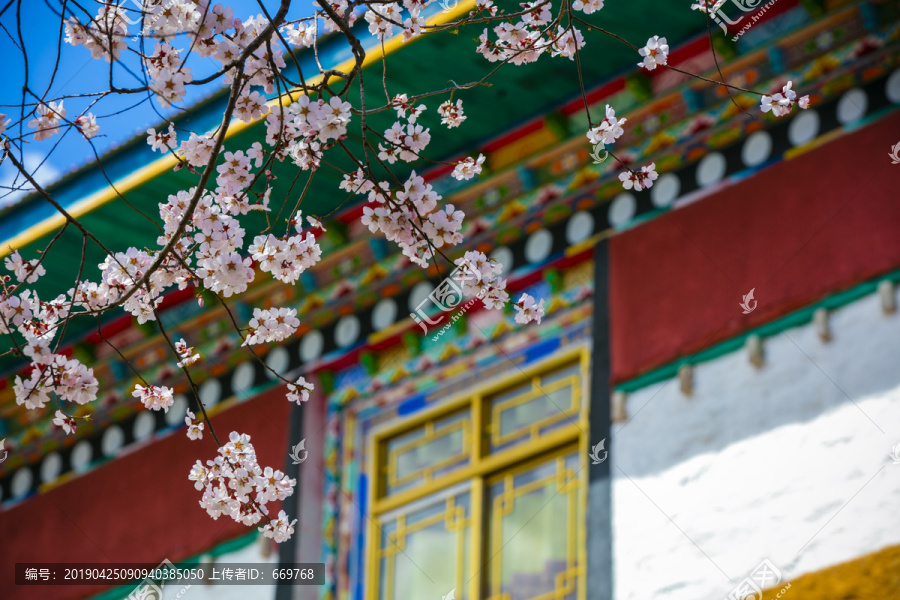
pixel 529 411
pixel 424 550
pixel 534 519
pixel 565 373
pixel 427 452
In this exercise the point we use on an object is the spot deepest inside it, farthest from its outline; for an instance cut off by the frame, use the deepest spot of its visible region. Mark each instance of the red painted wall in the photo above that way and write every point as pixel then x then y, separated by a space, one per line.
pixel 797 232
pixel 140 507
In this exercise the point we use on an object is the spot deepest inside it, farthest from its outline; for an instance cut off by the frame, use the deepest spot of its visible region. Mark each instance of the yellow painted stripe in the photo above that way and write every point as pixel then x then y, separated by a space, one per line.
pixel 870 577
pixel 588 243
pixel 161 165
pixel 793 153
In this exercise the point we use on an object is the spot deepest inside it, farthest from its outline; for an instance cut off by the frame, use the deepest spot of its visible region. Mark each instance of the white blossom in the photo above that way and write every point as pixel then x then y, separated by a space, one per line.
pixel 609 129
pixel 47 121
pixel 274 325
pixel 639 180
pixel 781 103
pixel 27 271
pixel 88 125
pixel 299 392
pixel 468 168
pixel 194 427
pixel 655 53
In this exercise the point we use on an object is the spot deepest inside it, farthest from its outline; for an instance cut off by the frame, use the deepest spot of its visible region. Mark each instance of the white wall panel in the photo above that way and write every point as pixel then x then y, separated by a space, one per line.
pixel 758 462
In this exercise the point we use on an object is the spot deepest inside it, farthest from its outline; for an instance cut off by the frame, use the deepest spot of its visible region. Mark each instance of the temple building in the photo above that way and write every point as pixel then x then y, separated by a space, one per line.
pixel 708 408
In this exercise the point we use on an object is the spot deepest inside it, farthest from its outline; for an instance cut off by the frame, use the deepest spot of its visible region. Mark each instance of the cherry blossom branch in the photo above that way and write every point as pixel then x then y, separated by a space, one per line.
pixel 195 199
pixel 202 241
pixel 671 68
pixel 69 218
pixel 194 389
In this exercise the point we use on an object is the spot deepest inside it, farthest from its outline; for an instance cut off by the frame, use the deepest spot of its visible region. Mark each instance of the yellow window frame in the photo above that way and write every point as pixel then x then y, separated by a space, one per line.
pixel 537 390
pixel 482 467
pixel 576 534
pixel 452 516
pixel 430 434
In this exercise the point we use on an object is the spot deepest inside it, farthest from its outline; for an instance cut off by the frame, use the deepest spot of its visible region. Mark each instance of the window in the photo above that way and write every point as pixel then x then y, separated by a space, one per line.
pixel 485 494
pixel 533 523
pixel 426 452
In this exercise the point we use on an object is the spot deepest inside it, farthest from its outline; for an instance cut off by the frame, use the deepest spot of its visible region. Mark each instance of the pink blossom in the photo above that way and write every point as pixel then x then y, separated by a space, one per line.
pixel 66 422
pixel 527 310
pixel 451 114
pixel 234 484
pixel 154 397
pixel 272 325
pixel 185 353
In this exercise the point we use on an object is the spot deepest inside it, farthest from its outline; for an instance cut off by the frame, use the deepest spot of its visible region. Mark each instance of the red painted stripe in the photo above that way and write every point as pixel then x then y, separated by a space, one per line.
pixel 112 328
pixel 441 170
pixel 593 96
pixel 796 232
pixel 140 507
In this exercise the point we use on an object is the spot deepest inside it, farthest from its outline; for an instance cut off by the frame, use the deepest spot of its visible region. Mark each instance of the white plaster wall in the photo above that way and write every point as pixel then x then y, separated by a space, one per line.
pixel 249 554
pixel 789 463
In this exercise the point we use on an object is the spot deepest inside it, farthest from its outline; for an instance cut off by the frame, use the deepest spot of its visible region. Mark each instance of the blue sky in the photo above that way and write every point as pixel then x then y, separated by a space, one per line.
pixel 79 73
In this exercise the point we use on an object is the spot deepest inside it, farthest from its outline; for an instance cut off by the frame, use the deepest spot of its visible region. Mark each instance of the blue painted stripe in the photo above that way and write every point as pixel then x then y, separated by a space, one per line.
pixel 362 496
pixel 541 350
pixel 412 405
